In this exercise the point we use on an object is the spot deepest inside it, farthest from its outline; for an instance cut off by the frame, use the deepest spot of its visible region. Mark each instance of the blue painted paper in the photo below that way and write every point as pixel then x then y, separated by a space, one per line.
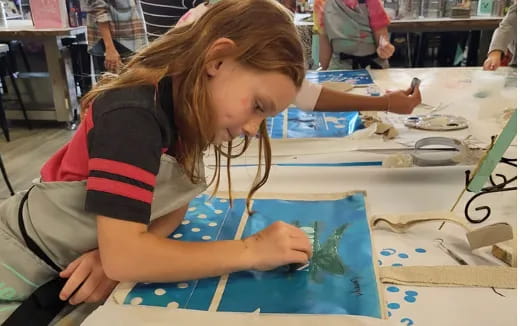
pixel 359 77
pixel 304 124
pixel 343 282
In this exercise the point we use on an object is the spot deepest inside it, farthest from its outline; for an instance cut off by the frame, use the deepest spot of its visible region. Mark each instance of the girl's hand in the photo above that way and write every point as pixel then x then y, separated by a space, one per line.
pixel 403 102
pixel 277 245
pixel 86 275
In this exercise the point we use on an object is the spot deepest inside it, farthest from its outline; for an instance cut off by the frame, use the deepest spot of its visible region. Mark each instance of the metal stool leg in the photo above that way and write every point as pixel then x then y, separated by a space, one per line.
pixel 24 56
pixel 4 174
pixel 19 96
pixel 3 120
pixel 4 84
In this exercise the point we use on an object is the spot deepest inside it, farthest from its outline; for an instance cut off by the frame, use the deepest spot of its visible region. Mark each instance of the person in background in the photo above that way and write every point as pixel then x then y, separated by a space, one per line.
pixel 115 30
pixel 161 15
pixel 503 43
pixel 353 34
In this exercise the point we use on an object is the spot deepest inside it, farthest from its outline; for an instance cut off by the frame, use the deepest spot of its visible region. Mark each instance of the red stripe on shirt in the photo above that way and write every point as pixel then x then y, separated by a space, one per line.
pixel 123 169
pixel 119 188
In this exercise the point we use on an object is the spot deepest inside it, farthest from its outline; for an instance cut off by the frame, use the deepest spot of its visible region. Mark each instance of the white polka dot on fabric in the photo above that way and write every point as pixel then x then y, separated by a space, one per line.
pixel 159 291
pixel 185 222
pixel 212 224
pixel 206 237
pixel 191 209
pixel 182 285
pixel 135 301
pixel 218 211
pixel 202 216
pixel 177 235
pixel 173 304
pixel 223 200
pixel 339 126
pixel 195 230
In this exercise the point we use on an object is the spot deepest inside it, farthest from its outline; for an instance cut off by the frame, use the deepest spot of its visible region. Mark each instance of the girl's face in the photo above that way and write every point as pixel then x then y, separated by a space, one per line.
pixel 242 98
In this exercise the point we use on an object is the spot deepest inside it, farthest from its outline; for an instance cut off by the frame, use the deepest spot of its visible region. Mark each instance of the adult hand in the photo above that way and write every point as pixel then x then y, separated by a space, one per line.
pixel 112 60
pixel 493 60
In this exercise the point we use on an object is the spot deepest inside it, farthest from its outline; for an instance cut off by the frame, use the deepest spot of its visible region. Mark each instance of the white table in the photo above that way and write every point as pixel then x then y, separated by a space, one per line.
pixel 58 63
pixel 405 190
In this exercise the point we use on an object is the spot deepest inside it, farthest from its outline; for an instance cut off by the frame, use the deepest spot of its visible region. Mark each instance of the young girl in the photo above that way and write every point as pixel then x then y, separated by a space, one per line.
pixel 108 199
pixel 353 34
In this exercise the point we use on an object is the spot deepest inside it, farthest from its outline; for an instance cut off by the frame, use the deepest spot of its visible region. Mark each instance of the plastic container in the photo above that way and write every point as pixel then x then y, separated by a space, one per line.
pixel 487 83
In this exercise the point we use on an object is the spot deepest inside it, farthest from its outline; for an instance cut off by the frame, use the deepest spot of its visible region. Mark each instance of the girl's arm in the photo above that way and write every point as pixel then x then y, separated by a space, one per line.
pixel 166 224
pixel 318 98
pixel 325 51
pixel 130 253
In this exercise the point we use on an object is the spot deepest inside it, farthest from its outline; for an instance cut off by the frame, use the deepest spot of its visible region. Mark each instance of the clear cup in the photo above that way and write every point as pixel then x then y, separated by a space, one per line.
pixel 487 83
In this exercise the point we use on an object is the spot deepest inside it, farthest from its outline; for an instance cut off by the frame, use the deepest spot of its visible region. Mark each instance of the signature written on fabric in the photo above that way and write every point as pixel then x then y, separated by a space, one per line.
pixel 357 287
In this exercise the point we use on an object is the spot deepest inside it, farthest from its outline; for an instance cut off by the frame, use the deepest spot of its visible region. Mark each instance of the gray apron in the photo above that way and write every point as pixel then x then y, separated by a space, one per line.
pixel 55 219
pixel 345 27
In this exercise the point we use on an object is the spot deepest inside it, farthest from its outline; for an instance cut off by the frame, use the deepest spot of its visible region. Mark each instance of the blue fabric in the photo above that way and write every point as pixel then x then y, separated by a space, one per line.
pixel 348 288
pixel 359 77
pixel 303 124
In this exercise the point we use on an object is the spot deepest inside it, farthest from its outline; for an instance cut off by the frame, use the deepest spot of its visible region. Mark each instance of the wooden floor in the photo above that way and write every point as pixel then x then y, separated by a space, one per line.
pixel 28 150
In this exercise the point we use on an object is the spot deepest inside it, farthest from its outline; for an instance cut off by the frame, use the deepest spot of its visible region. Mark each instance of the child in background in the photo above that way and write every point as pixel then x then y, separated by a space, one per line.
pixel 503 42
pixel 353 34
pixel 110 197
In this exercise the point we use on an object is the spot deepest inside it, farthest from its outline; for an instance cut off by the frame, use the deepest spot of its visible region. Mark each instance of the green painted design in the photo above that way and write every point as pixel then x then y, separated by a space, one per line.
pixel 326 258
pixel 7 293
pixel 20 276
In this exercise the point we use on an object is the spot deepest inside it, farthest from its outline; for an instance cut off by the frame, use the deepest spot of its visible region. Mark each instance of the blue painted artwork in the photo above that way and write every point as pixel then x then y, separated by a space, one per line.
pixel 340 278
pixel 359 77
pixel 305 124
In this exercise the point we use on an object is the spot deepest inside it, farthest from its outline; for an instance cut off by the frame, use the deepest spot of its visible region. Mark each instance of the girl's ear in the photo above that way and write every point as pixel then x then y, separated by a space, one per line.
pixel 218 51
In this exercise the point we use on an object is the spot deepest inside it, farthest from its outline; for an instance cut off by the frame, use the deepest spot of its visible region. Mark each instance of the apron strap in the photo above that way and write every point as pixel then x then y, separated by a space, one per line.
pixel 44 303
pixel 40 308
pixel 30 243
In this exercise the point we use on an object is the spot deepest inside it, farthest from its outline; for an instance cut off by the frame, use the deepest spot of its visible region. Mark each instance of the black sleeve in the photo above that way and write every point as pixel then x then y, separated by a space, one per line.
pixel 125 148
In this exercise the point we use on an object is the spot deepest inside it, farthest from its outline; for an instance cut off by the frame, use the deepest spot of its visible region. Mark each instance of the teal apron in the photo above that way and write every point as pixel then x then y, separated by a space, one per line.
pixel 350 36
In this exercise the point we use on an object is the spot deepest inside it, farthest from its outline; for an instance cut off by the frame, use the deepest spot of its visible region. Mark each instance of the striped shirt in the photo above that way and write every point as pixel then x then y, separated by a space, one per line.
pixel 161 15
pixel 117 151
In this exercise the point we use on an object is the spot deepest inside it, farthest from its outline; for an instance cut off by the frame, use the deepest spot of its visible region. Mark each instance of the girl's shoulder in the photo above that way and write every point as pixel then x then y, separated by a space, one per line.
pixel 133 97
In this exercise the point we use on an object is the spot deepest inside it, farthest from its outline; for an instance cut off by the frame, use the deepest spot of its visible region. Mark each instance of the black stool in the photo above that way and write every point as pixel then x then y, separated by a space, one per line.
pixel 4 174
pixel 6 69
